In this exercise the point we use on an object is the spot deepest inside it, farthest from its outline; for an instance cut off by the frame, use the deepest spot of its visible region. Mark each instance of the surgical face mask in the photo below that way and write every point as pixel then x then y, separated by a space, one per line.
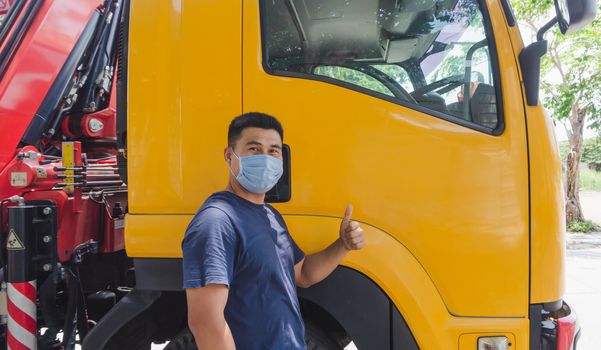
pixel 258 173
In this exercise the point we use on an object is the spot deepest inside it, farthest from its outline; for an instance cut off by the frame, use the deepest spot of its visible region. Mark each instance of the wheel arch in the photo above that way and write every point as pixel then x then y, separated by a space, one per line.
pixel 385 272
pixel 364 312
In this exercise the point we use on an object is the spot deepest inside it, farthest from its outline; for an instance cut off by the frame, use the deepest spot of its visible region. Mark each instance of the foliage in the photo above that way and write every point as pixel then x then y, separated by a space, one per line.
pixel 535 9
pixel 574 57
pixel 571 87
pixel 395 72
pixel 591 150
pixel 354 77
pixel 583 226
pixel 590 180
pixel 564 148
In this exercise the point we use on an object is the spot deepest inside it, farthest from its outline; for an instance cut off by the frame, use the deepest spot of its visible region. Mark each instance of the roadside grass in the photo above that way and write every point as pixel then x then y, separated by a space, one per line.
pixel 590 180
pixel 583 226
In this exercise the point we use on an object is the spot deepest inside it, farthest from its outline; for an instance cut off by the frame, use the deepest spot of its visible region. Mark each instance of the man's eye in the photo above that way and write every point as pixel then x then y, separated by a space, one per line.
pixel 253 149
pixel 276 151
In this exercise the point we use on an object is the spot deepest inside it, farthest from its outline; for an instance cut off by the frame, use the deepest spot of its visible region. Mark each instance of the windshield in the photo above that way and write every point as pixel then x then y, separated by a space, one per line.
pixel 420 52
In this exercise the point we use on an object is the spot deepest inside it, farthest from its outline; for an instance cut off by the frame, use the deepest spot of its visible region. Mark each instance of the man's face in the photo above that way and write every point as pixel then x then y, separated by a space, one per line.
pixel 254 141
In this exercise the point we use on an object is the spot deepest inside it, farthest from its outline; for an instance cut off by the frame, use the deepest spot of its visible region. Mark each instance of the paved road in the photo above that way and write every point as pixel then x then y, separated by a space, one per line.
pixel 583 274
pixel 583 293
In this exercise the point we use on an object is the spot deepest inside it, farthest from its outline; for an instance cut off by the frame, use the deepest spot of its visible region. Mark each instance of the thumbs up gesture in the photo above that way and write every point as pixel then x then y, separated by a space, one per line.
pixel 351 233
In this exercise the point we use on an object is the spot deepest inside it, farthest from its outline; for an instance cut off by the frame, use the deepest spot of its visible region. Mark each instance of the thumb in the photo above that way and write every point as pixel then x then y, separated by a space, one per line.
pixel 347 216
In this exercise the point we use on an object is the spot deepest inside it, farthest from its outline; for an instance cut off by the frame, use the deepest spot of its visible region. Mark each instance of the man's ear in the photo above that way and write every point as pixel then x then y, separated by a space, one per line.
pixel 227 155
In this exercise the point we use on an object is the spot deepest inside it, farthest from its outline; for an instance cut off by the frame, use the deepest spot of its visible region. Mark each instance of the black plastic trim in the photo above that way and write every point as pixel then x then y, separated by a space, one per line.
pixel 530 64
pixel 528 165
pixel 159 274
pixel 131 305
pixel 448 117
pixel 509 16
pixel 552 306
pixel 535 315
pixel 402 338
pixel 282 191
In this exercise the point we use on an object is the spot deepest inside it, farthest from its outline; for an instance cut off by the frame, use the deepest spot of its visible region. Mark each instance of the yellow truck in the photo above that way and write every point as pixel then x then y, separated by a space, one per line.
pixel 422 113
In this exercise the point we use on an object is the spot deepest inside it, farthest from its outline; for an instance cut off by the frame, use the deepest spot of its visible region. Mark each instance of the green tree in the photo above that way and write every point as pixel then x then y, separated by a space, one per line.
pixel 575 98
pixel 591 153
pixel 353 76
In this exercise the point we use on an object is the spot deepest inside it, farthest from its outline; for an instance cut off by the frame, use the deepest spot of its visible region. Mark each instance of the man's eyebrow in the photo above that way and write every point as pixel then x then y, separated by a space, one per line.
pixel 253 142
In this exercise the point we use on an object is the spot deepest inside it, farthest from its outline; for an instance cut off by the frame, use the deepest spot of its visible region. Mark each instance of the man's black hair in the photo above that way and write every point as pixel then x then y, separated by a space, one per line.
pixel 252 119
pixel 477 76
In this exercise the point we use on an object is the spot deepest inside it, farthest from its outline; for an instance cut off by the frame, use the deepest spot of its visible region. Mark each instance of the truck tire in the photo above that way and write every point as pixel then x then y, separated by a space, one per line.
pixel 184 340
pixel 315 338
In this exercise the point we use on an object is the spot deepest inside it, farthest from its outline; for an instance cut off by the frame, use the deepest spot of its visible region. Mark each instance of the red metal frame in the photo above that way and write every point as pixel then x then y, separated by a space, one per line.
pixel 92 209
pixel 28 79
pixel 35 66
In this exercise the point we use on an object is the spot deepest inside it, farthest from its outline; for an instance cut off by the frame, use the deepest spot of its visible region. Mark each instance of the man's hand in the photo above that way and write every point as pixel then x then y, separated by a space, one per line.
pixel 351 233
pixel 315 267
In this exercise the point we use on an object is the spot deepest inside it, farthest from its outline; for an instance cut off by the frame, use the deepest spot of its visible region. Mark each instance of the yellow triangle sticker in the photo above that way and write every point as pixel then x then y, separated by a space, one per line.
pixel 13 242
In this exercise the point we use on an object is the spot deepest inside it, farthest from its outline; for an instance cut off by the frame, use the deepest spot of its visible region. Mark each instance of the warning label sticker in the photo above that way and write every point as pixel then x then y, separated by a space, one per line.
pixel 18 179
pixel 41 173
pixel 13 242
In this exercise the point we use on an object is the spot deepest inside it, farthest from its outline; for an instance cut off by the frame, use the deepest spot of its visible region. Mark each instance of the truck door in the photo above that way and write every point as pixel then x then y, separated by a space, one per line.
pixel 184 87
pixel 400 108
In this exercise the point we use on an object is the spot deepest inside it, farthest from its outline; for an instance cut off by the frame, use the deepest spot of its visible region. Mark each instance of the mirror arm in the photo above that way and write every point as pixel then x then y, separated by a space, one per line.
pixel 545 28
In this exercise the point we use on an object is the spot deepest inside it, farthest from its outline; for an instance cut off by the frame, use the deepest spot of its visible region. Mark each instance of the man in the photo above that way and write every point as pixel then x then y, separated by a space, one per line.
pixel 473 87
pixel 456 108
pixel 241 266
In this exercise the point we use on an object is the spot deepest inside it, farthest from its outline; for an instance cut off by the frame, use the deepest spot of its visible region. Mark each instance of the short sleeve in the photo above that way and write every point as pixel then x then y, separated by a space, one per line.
pixel 296 251
pixel 209 248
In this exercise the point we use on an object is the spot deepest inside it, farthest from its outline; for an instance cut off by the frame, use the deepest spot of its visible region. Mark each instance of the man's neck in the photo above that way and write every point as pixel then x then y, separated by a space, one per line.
pixel 237 189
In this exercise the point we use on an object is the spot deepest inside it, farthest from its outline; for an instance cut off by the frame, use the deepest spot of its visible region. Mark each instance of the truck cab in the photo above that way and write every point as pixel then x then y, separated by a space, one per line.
pixel 423 114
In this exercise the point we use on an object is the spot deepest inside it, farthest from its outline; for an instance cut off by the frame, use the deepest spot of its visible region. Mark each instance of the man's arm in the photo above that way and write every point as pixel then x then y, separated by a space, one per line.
pixel 316 267
pixel 206 319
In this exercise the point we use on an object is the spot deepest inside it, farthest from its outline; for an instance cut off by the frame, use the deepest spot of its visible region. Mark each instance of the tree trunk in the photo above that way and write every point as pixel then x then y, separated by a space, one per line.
pixel 573 209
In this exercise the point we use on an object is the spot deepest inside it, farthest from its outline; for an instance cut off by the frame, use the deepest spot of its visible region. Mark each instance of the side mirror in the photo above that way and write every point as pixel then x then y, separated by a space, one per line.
pixel 281 192
pixel 573 15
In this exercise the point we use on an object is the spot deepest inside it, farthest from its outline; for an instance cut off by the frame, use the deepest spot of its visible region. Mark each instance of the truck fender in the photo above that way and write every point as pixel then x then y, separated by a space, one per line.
pixel 129 307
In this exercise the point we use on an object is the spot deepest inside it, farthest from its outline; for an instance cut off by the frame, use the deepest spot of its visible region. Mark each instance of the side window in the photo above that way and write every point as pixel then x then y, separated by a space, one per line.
pixel 431 55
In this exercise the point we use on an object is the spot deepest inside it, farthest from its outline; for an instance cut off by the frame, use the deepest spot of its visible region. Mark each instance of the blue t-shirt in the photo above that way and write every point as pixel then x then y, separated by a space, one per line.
pixel 247 247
